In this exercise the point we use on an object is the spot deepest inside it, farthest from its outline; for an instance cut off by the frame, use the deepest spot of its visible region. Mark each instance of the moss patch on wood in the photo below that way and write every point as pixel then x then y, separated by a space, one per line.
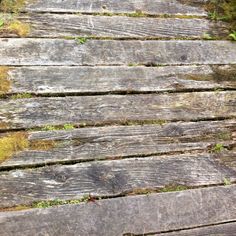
pixel 5 83
pixel 11 144
pixel 12 5
pixel 42 145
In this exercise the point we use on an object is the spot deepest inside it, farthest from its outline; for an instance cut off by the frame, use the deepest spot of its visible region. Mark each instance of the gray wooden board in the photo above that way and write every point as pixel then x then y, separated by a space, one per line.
pixel 119 79
pixel 57 25
pixel 113 52
pixel 129 215
pixel 124 141
pixel 153 7
pixel 228 229
pixel 33 112
pixel 114 177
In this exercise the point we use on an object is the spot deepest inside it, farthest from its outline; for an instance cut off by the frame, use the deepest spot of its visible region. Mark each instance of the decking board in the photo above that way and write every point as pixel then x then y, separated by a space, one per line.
pixel 114 177
pixel 84 80
pixel 112 52
pixel 92 110
pixel 64 25
pixel 133 215
pixel 113 142
pixel 118 6
pixel 227 229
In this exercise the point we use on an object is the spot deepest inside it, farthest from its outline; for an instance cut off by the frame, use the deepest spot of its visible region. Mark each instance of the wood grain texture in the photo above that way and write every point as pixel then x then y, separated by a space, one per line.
pixel 114 52
pixel 85 79
pixel 34 112
pixel 228 229
pixel 60 25
pixel 125 141
pixel 153 7
pixel 112 178
pixel 129 215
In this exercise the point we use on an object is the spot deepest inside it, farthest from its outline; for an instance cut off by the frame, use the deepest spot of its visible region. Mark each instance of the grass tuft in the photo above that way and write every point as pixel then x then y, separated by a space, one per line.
pixel 11 144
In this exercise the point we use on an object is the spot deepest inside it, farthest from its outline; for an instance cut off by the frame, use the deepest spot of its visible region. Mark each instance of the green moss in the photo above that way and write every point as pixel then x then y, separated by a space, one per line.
pixel 21 96
pixel 58 127
pixel 58 202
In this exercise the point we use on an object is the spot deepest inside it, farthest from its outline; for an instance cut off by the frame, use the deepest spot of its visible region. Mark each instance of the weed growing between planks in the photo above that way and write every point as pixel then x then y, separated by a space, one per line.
pixel 224 10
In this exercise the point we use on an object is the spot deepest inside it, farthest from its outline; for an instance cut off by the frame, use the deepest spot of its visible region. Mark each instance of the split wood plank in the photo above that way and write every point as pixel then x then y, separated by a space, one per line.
pixel 126 216
pixel 113 52
pixel 227 229
pixel 152 7
pixel 114 177
pixel 123 141
pixel 86 80
pixel 57 25
pixel 38 112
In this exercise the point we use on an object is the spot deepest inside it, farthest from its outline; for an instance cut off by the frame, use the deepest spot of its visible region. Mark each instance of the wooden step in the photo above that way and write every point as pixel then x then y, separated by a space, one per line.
pixel 133 215
pixel 38 112
pixel 85 80
pixel 87 144
pixel 112 52
pixel 153 7
pixel 115 177
pixel 64 25
pixel 228 229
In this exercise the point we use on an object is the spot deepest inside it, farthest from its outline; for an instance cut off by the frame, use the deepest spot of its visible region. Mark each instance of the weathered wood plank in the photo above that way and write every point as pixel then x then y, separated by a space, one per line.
pixel 119 79
pixel 129 215
pixel 153 7
pixel 114 52
pixel 34 112
pixel 123 141
pixel 57 25
pixel 111 178
pixel 227 229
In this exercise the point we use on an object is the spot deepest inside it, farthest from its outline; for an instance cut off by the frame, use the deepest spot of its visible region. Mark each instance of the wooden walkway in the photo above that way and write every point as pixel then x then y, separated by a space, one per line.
pixel 117 118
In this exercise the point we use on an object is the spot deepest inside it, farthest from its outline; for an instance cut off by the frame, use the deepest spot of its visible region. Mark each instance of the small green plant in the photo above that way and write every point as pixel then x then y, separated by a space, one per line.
pixel 81 40
pixel 233 36
pixel 207 37
pixel 218 148
pixel 68 127
pixel 227 181
pixel 1 23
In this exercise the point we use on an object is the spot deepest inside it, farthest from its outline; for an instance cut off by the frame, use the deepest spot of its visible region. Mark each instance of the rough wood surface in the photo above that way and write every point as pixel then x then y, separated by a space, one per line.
pixel 111 178
pixel 119 79
pixel 152 7
pixel 124 216
pixel 34 112
pixel 113 52
pixel 57 25
pixel 124 141
pixel 228 229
